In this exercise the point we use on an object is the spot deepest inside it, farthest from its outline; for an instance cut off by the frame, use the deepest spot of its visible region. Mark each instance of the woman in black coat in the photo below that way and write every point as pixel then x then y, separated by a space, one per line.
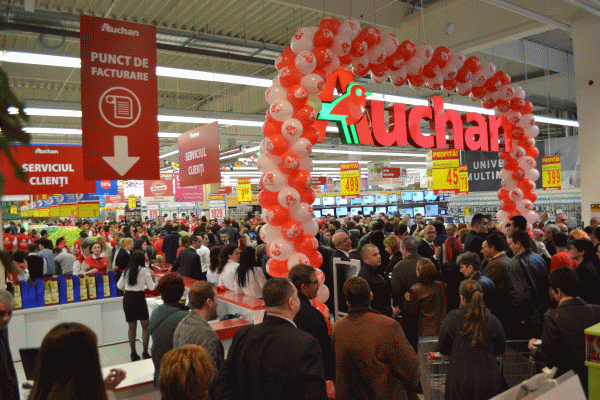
pixel 473 338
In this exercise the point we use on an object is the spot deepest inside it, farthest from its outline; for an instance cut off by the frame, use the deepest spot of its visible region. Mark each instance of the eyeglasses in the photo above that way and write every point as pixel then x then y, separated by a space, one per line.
pixel 312 283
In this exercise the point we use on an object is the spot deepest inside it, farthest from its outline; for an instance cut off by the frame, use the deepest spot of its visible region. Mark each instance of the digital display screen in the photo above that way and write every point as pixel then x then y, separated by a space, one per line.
pixel 417 196
pixel 393 198
pixel 431 210
pixel 341 211
pixel 368 210
pixel 369 199
pixel 356 201
pixel 406 196
pixel 317 202
pixel 327 211
pixel 328 201
pixel 443 211
pixel 317 214
pixel 355 210
pixel 392 209
pixel 381 199
pixel 408 211
pixel 382 210
pixel 430 195
pixel 341 201
pixel 419 210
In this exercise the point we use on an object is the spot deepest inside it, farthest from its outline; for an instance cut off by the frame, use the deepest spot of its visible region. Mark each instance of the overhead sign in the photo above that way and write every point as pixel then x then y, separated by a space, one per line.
pixel 67 205
pixel 107 188
pixel 551 173
pixel 463 179
pixel 88 206
pixel 217 207
pixel 199 162
pixel 50 169
pixel 350 179
pixel 391 173
pixel 244 190
pixel 192 193
pixel 54 206
pixel 119 100
pixel 162 187
pixel 362 121
pixel 443 169
pixel 321 180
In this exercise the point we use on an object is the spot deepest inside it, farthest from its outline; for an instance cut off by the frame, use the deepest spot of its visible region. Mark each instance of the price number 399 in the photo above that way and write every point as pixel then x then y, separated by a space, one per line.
pixel 552 178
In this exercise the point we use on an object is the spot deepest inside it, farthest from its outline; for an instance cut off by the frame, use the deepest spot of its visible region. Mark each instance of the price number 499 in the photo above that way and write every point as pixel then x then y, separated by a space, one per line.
pixel 351 185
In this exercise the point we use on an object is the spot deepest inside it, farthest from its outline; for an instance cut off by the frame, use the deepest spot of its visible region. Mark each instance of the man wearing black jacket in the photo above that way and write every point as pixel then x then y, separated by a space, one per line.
pixel 382 292
pixel 170 244
pixel 188 264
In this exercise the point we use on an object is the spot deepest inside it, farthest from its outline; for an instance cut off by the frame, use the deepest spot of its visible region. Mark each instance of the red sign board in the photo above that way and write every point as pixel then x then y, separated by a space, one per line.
pixel 199 156
pixel 318 180
pixel 393 172
pixel 194 193
pixel 160 188
pixel 226 189
pixel 50 169
pixel 119 100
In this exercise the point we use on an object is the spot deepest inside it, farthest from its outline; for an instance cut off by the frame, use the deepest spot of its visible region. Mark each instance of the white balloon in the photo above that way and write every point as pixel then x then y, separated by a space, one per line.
pixel 424 52
pixel 297 258
pixel 342 45
pixel 464 87
pixel 390 42
pixel 527 163
pixel 380 79
pixel 488 69
pixel 518 152
pixel 274 93
pixel 434 83
pixel 314 83
pixel 478 79
pixel 506 92
pixel 398 75
pixel 376 54
pixel 457 59
pixel 360 63
pixel 280 249
pixel 449 72
pixel 275 180
pixel 414 66
pixel 531 217
pixel 303 213
pixel 302 147
pixel 320 275
pixel 532 174
pixel 349 28
pixel 292 129
pixel 269 233
pixel 302 40
pixel 306 164
pixel 288 197
pixel 322 294
pixel 526 121
pixel 416 87
pixel 532 132
pixel 311 227
pixel 334 65
pixel 504 174
pixel 508 184
pixel 264 163
pixel 305 62
pixel 281 110
pixel 515 194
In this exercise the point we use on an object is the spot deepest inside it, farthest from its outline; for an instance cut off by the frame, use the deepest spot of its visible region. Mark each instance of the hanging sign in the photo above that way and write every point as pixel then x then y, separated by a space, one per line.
pixel 350 177
pixel 88 206
pixel 199 156
pixel 192 193
pixel 119 99
pixel 551 173
pixel 67 205
pixel 463 179
pixel 244 191
pixel 217 207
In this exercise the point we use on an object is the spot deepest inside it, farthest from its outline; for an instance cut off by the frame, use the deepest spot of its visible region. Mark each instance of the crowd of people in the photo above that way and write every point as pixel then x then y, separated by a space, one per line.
pixel 472 286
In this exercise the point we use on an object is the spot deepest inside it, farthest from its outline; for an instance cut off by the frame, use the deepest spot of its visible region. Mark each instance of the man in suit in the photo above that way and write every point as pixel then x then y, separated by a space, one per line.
pixel 171 244
pixel 550 230
pixel 9 385
pixel 477 234
pixel 563 339
pixel 273 359
pixel 231 231
pixel 519 223
pixel 427 249
pixel 418 221
pixel 342 244
pixel 188 264
pixel 380 287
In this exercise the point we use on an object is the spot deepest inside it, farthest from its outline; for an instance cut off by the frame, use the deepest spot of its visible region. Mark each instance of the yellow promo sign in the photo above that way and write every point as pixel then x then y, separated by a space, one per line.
pixel 14 210
pixel 244 191
pixel 463 179
pixel 89 210
pixel 551 173
pixel 132 202
pixel 445 179
pixel 350 179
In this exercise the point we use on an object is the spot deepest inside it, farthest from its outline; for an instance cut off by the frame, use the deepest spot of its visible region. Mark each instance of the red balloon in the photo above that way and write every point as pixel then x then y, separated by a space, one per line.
pixel 478 91
pixel 441 56
pixel 289 76
pixel 286 58
pixel 267 199
pixel 372 35
pixel 288 162
pixel 511 165
pixel 323 37
pixel 488 105
pixel 359 46
pixel 518 174
pixel 306 244
pixel 345 61
pixel 510 206
pixel 297 96
pixel 277 269
pixel 360 72
pixel 276 144
pixel 400 82
pixel 503 105
pixel 518 132
pixel 431 70
pixel 306 115
pixel 323 55
pixel 527 108
pixel 271 127
pixel 291 230
pixel 504 156
pixel 502 194
pixel 331 23
pixel 504 77
pixel 531 196
pixel 516 103
pixel 277 215
pixel 464 75
pixel 532 152
pixel 311 134
pixel 307 196
pixel 407 50
pixel 316 259
pixel 472 63
pixel 322 308
pixel 416 80
pixel 300 181
pixel 395 61
pixel 493 84
pixel 378 70
pixel 450 84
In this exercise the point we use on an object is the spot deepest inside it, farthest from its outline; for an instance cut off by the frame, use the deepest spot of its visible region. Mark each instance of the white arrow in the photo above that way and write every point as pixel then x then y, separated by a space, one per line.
pixel 121 162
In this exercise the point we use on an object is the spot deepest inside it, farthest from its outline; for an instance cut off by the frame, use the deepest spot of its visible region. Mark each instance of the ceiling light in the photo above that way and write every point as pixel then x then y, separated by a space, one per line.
pixel 367 153
pixel 212 77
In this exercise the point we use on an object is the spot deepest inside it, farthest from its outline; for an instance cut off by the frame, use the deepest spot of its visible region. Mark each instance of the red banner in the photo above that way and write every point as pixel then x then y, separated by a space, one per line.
pixel 393 172
pixel 226 189
pixel 119 100
pixel 160 188
pixel 50 169
pixel 199 156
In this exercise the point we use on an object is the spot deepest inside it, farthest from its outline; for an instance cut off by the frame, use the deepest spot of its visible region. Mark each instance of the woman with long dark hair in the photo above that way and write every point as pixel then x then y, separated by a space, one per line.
pixel 450 271
pixel 134 280
pixel 229 258
pixel 68 366
pixel 249 279
pixel 473 338
pixel 214 273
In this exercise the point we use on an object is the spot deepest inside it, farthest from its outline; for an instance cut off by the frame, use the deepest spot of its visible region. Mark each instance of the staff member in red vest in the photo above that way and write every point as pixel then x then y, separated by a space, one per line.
pixel 9 240
pixel 23 240
pixel 95 263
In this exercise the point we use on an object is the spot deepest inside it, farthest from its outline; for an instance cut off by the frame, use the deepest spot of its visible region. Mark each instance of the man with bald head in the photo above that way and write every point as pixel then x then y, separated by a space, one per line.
pixel 561 219
pixel 342 245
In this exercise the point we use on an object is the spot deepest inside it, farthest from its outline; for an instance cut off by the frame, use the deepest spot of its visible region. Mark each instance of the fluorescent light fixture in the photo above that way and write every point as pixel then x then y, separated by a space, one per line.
pixel 463 108
pixel 212 77
pixel 40 59
pixel 556 121
pixel 248 150
pixel 168 154
pixel 39 130
pixel 367 153
pixel 408 163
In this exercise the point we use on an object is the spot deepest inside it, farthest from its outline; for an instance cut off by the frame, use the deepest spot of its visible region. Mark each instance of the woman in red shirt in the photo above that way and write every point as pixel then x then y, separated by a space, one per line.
pixel 23 240
pixel 95 263
pixel 184 243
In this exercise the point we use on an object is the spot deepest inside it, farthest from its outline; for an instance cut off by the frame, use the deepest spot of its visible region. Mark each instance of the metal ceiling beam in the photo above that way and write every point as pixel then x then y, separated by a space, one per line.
pixel 529 14
pixel 535 54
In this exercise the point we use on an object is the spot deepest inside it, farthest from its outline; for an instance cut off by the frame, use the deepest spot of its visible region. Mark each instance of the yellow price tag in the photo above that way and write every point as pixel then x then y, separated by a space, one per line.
pixel 551 173
pixel 244 190
pixel 350 179
pixel 89 210
pixel 463 179
pixel 445 179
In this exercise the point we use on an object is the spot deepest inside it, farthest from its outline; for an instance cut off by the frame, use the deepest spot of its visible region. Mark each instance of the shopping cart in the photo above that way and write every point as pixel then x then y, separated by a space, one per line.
pixel 515 364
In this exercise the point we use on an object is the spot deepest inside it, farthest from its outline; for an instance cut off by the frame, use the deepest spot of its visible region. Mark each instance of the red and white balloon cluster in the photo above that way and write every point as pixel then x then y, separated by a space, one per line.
pixel 286 196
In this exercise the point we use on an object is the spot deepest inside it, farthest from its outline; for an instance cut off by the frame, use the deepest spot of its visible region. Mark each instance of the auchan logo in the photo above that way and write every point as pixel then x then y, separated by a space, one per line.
pixel 45 151
pixel 158 188
pixel 121 30
pixel 363 121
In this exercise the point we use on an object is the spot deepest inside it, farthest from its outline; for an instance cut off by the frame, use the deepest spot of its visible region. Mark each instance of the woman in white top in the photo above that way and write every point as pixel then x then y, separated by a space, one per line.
pixel 135 277
pixel 229 258
pixel 213 274
pixel 81 256
pixel 249 280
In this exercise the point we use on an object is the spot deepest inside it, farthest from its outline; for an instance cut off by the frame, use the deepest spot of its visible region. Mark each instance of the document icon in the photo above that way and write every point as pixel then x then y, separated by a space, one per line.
pixel 122 106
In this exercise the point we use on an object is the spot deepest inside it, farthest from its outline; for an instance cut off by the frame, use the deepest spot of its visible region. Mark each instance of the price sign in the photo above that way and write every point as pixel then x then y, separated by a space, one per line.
pixel 217 207
pixel 350 179
pixel 463 179
pixel 89 210
pixel 132 202
pixel 244 191
pixel 551 173
pixel 216 213
pixel 445 179
pixel 13 210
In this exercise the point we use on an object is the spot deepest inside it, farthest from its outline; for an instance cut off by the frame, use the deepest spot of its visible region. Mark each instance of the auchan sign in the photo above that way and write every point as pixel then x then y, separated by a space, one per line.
pixel 369 128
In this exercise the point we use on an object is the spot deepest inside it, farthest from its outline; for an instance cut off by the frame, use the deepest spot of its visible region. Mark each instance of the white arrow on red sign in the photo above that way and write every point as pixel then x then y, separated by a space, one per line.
pixel 121 162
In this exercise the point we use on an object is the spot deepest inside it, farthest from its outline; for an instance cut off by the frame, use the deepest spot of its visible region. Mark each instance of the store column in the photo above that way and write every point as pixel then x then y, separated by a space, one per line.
pixel 585 34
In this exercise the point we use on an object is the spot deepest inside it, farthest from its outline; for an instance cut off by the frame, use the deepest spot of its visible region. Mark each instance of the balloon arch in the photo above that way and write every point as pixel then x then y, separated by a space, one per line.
pixel 286 194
